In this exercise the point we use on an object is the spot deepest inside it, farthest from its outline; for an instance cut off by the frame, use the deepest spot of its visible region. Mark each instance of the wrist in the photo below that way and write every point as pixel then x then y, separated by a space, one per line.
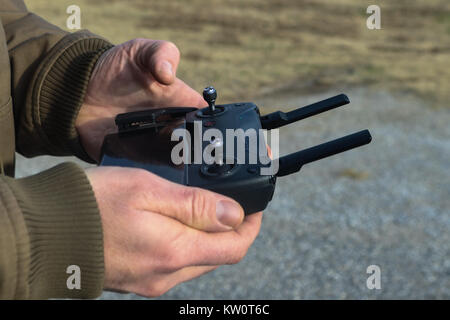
pixel 59 91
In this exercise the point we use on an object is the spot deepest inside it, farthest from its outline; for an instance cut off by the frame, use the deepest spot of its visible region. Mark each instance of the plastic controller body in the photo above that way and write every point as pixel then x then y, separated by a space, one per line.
pixel 144 140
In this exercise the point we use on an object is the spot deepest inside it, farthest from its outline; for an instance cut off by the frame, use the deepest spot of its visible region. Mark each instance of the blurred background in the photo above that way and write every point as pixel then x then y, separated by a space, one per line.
pixel 386 204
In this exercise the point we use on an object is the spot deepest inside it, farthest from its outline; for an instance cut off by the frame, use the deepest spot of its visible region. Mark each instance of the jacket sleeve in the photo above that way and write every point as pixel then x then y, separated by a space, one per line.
pixel 50 71
pixel 50 221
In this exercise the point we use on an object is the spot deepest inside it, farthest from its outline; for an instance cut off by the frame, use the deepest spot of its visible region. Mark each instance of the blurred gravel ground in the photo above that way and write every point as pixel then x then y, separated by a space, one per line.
pixel 386 204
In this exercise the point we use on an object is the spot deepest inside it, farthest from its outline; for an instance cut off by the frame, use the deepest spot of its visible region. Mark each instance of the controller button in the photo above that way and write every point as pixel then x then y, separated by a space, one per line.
pixel 252 170
pixel 208 124
pixel 207 113
pixel 217 170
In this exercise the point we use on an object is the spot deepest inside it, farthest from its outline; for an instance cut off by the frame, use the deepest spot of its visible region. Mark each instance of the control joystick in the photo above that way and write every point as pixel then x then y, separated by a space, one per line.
pixel 210 96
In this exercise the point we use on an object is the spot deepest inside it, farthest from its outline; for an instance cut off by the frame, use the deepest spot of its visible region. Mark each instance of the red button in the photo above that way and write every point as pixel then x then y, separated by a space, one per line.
pixel 209 123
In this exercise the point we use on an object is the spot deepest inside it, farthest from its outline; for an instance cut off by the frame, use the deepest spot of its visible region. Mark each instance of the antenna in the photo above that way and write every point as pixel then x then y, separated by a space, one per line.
pixel 294 161
pixel 278 119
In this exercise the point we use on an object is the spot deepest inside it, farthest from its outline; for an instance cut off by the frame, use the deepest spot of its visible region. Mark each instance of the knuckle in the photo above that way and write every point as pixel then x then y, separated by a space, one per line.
pixel 138 39
pixel 138 181
pixel 156 289
pixel 137 176
pixel 171 258
pixel 237 256
pixel 171 46
pixel 200 206
pixel 174 262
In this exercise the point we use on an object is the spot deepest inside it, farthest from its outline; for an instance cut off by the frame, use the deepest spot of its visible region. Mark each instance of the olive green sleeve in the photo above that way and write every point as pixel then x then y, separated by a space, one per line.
pixel 48 222
pixel 50 71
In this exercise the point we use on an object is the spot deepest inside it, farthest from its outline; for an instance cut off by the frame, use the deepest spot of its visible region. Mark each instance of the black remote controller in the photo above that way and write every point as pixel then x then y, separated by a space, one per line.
pixel 145 139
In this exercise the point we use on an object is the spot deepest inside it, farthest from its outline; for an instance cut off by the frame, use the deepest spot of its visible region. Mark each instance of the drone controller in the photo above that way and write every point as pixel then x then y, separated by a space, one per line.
pixel 148 140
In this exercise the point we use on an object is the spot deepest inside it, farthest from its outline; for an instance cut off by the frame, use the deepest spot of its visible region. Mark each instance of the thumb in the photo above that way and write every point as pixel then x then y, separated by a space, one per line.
pixel 195 207
pixel 162 59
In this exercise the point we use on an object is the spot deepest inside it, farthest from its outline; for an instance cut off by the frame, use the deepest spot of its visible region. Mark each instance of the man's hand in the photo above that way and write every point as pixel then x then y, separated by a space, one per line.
pixel 135 75
pixel 158 234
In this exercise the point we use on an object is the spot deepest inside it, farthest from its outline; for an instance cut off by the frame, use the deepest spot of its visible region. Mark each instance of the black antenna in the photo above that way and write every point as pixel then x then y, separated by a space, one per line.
pixel 278 119
pixel 293 162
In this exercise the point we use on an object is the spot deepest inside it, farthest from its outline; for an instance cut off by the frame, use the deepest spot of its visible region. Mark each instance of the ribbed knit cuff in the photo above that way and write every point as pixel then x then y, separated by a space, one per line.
pixel 60 89
pixel 64 229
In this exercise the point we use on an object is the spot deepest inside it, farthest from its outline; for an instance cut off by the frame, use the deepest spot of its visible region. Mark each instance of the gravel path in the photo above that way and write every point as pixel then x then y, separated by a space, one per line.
pixel 386 204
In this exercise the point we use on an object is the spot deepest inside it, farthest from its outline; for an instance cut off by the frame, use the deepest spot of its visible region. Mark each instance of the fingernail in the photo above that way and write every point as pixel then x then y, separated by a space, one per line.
pixel 166 69
pixel 228 213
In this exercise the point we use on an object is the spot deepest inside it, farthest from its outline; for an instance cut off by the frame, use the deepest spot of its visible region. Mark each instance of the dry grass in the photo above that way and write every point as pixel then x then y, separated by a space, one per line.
pixel 262 47
pixel 353 174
